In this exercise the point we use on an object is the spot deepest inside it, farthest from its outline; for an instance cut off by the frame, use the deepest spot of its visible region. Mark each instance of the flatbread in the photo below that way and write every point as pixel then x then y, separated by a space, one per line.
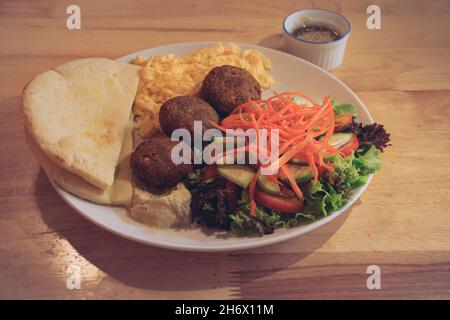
pixel 78 113
pixel 120 193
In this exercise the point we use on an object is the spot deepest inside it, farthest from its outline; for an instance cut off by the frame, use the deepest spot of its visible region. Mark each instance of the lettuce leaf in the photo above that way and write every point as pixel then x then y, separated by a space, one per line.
pixel 265 220
pixel 346 175
pixel 340 109
pixel 322 198
pixel 368 161
pixel 351 172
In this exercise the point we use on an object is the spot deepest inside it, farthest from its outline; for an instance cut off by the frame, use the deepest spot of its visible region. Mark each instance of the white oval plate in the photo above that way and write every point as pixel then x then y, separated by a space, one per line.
pixel 290 74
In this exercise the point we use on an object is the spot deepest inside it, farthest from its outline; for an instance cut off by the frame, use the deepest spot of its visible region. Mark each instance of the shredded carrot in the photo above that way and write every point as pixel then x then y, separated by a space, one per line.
pixel 331 122
pixel 293 183
pixel 313 167
pixel 251 195
pixel 299 127
pixel 256 127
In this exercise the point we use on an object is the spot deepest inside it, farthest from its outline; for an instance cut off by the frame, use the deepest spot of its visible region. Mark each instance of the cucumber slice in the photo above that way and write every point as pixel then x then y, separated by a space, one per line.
pixel 239 174
pixel 268 185
pixel 337 140
pixel 301 174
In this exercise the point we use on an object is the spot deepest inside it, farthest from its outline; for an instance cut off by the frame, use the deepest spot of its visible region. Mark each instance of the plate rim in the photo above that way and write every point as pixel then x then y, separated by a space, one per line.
pixel 261 241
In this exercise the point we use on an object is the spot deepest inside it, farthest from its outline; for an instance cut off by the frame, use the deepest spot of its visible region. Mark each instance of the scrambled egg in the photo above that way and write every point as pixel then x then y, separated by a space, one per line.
pixel 167 76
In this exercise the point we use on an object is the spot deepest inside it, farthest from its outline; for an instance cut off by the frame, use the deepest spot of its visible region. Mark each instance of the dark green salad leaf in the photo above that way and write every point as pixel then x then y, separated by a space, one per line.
pixel 208 200
pixel 321 199
pixel 265 220
pixel 367 162
pixel 350 172
pixel 331 193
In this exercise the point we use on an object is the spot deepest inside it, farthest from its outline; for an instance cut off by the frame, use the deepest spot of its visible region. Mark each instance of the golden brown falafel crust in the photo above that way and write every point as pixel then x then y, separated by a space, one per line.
pixel 227 87
pixel 151 163
pixel 182 111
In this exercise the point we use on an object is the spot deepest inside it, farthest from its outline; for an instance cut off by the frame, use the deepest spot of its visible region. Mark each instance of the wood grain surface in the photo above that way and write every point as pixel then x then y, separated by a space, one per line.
pixel 401 224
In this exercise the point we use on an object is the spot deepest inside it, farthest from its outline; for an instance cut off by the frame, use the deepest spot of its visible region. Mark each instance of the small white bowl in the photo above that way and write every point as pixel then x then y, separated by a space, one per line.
pixel 327 55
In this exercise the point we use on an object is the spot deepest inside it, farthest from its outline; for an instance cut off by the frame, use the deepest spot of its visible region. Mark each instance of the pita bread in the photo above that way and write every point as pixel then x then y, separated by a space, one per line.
pixel 120 193
pixel 78 114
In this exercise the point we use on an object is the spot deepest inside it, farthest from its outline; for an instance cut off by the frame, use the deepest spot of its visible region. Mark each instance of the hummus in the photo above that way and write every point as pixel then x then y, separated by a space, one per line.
pixel 170 209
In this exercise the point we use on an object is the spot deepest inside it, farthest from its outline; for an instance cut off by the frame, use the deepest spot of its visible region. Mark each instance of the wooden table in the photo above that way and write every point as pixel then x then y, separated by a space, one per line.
pixel 401 224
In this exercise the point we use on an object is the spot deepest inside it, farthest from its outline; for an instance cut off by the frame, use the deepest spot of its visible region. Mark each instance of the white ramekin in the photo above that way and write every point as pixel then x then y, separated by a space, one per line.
pixel 327 55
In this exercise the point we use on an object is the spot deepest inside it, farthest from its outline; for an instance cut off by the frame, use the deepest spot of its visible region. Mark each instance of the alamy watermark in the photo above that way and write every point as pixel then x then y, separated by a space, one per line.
pixel 374 20
pixel 237 146
pixel 374 280
pixel 73 21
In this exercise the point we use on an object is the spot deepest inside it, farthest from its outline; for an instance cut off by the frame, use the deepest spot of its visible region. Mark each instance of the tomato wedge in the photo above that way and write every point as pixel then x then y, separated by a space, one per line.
pixel 289 204
pixel 349 147
pixel 210 172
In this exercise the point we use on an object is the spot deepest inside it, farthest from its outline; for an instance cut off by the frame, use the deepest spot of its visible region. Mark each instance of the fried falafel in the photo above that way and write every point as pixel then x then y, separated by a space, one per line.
pixel 182 111
pixel 227 87
pixel 151 163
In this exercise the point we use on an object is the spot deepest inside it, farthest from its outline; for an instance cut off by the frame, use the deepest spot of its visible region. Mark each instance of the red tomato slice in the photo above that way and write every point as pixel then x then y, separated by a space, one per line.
pixel 282 204
pixel 349 147
pixel 210 172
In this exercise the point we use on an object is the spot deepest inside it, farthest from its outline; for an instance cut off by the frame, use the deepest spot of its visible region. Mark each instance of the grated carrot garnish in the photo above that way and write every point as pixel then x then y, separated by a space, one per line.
pixel 299 127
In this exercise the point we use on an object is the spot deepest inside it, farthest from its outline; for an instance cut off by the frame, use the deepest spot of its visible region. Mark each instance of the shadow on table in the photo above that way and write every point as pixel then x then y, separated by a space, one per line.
pixel 152 268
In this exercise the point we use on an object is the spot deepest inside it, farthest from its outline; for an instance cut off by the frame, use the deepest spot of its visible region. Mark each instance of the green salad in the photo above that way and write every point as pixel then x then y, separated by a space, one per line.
pixel 326 153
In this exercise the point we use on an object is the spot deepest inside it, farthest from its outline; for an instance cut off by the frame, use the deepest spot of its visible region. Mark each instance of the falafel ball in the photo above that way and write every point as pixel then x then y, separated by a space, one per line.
pixel 227 87
pixel 152 164
pixel 182 111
